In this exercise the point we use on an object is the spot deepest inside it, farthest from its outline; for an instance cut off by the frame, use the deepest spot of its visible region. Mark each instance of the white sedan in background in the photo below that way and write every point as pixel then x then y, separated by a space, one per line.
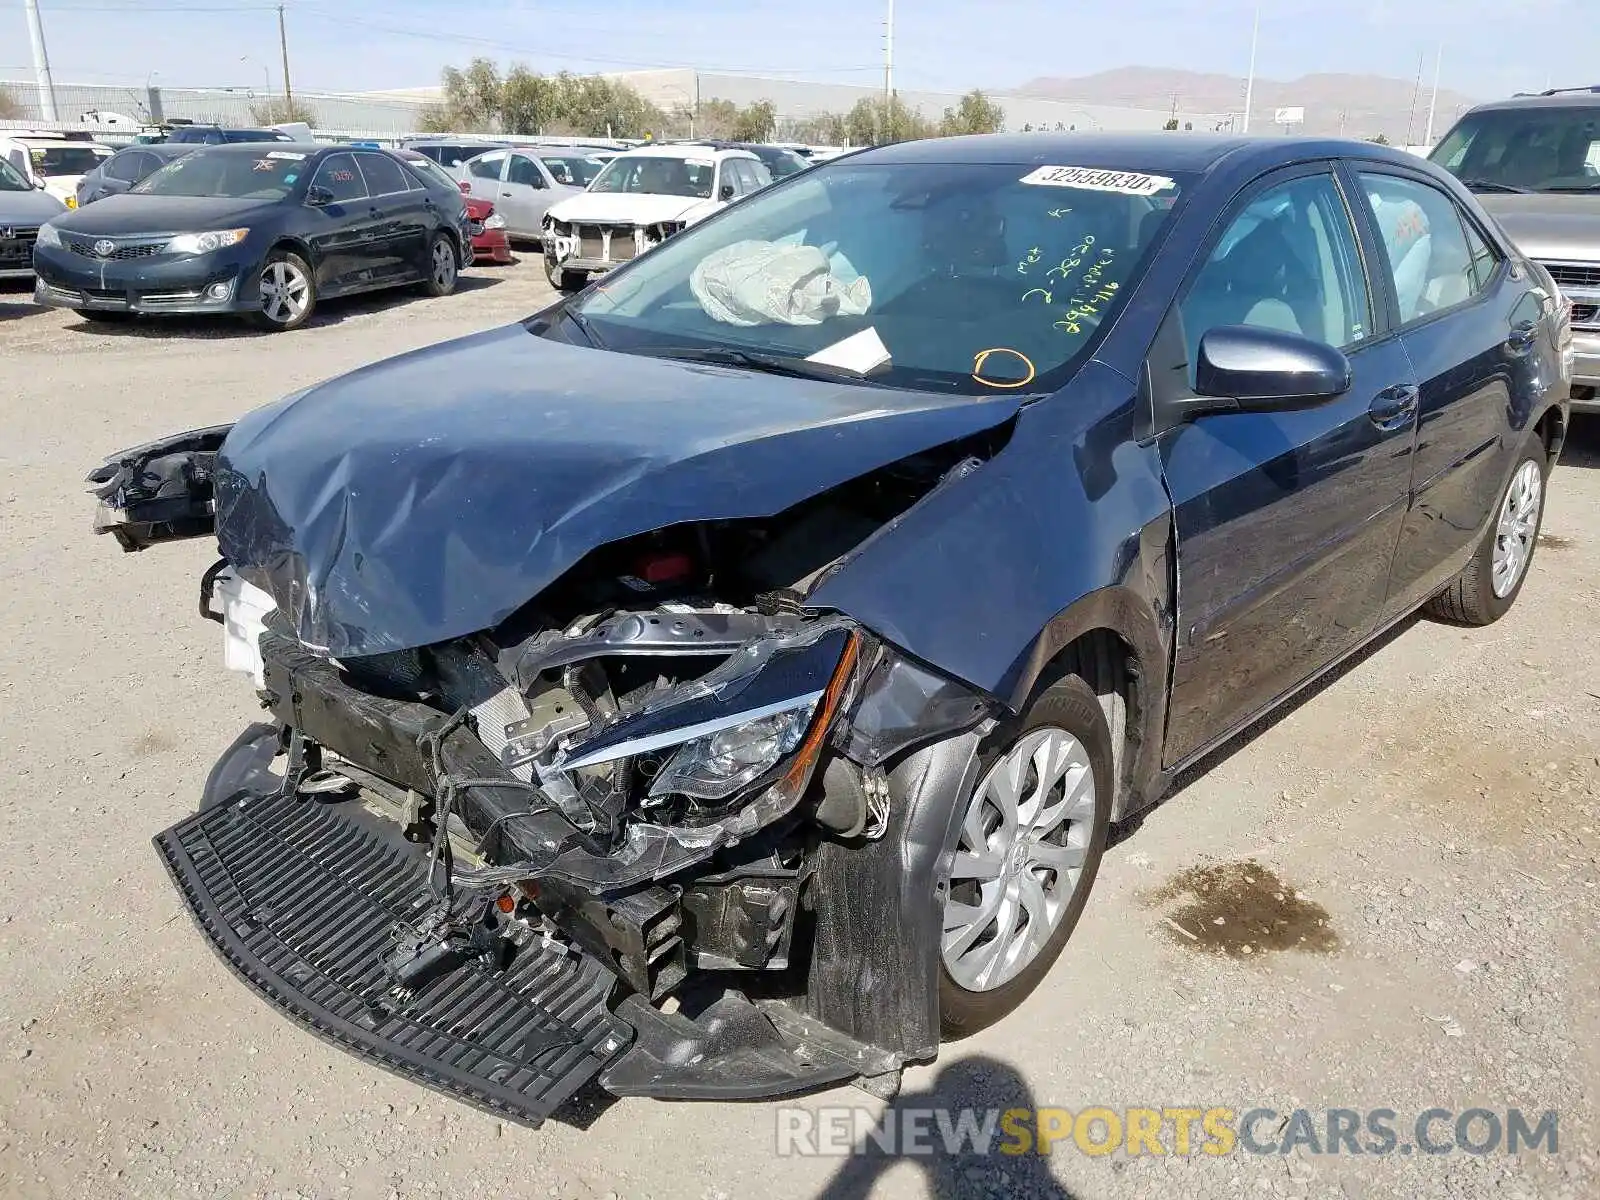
pixel 522 182
pixel 640 199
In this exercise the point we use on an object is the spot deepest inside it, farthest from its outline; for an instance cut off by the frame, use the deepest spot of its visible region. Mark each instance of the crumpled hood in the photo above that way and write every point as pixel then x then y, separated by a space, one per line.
pixel 1550 226
pixel 432 495
pixel 638 207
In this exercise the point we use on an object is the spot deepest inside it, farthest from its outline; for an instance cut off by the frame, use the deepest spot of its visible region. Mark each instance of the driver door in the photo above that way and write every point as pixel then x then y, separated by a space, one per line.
pixel 1286 521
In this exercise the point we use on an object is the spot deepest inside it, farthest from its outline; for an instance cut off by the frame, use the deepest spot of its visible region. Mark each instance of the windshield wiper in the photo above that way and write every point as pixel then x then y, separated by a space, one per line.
pixel 755 360
pixel 1575 187
pixel 585 326
pixel 1490 185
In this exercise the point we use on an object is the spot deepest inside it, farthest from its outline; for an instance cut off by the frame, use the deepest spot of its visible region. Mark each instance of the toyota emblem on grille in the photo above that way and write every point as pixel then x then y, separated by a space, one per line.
pixel 104 248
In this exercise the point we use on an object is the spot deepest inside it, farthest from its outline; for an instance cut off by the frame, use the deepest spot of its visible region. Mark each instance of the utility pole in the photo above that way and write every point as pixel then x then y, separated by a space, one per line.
pixel 283 44
pixel 1250 79
pixel 888 56
pixel 1416 93
pixel 1433 101
pixel 41 61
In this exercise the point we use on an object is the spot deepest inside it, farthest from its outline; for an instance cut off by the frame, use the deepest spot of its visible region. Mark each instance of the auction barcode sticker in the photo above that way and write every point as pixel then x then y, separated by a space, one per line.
pixel 1129 183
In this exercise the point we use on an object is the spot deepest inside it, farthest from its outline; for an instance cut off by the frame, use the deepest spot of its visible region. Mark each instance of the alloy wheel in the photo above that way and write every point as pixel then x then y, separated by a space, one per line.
pixel 444 265
pixel 1024 842
pixel 285 292
pixel 1518 526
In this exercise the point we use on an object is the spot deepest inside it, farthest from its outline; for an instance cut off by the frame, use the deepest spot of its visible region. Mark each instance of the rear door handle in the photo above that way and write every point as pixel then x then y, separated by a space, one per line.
pixel 1522 336
pixel 507 195
pixel 1393 408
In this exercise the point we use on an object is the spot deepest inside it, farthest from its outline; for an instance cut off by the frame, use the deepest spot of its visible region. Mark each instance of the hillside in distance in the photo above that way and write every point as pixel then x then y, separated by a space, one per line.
pixel 1354 105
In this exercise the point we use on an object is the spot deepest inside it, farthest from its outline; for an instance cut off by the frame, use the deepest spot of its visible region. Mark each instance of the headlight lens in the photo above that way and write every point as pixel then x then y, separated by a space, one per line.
pixel 205 243
pixel 494 221
pixel 717 765
pixel 48 236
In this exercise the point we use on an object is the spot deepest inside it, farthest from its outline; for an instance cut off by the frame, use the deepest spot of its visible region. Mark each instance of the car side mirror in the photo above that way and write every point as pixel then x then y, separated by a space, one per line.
pixel 1246 369
pixel 318 197
pixel 727 191
pixel 40 185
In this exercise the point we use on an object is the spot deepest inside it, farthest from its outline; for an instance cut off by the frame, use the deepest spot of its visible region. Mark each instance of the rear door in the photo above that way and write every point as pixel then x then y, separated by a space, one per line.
pixel 1286 522
pixel 343 229
pixel 482 175
pixel 1468 320
pixel 398 247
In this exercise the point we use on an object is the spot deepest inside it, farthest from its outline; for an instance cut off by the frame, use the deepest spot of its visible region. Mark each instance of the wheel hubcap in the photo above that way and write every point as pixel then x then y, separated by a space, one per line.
pixel 285 292
pixel 1024 841
pixel 444 264
pixel 1519 524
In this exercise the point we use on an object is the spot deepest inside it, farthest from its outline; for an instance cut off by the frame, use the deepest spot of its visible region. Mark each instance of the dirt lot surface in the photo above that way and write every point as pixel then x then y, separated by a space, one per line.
pixel 1387 899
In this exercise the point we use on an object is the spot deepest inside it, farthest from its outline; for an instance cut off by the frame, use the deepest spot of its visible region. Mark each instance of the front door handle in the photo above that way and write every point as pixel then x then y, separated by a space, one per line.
pixel 1393 408
pixel 507 195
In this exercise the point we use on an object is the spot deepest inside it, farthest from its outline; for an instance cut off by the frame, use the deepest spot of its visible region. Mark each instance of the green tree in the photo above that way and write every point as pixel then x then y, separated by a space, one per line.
pixel 975 113
pixel 876 122
pixel 281 112
pixel 755 122
pixel 10 108
pixel 1171 125
pixel 1380 139
pixel 481 100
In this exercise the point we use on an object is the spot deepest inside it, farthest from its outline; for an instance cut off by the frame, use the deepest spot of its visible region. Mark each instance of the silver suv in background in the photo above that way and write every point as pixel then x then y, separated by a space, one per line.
pixel 1534 163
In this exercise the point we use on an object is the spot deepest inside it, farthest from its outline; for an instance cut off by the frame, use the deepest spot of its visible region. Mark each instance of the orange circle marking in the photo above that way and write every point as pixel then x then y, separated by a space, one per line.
pixel 983 356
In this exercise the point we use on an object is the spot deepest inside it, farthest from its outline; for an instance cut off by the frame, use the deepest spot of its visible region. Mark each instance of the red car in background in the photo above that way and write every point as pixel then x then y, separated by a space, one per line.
pixel 489 241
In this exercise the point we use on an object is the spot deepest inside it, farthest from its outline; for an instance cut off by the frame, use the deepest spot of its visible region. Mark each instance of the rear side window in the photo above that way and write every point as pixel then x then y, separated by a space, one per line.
pixel 338 173
pixel 487 166
pixel 1288 261
pixel 384 176
pixel 1429 260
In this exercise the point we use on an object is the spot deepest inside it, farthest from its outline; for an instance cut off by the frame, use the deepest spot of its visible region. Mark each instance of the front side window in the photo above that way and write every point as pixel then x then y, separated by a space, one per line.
pixel 1428 257
pixel 525 171
pixel 11 179
pixel 1288 262
pixel 340 176
pixel 234 173
pixel 964 277
pixel 657 175
pixel 572 169
pixel 1536 149
pixel 487 166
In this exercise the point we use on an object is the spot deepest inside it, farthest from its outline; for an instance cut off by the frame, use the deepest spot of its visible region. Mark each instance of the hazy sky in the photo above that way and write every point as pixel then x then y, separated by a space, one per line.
pixel 349 45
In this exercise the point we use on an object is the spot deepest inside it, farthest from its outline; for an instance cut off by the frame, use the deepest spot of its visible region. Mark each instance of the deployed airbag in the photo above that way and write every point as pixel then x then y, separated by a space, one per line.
pixel 774 283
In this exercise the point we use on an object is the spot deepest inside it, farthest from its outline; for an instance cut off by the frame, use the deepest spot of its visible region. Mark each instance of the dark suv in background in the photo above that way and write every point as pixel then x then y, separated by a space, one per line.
pixel 1534 163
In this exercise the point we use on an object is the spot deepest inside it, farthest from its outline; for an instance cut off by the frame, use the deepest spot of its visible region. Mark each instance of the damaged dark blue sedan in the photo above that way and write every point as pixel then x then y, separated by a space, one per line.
pixel 723 683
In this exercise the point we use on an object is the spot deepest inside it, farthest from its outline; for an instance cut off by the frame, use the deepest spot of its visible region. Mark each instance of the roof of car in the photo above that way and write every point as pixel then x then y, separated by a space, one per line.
pixel 683 150
pixel 1571 98
pixel 1158 151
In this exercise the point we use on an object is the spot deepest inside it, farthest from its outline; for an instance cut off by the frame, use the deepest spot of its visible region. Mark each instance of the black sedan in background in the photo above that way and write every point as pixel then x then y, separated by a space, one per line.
pixel 260 231
pixel 125 168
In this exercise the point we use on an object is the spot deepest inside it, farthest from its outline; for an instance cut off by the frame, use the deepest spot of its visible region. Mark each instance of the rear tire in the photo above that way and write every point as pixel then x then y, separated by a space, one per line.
pixel 1492 579
pixel 288 293
pixel 443 267
pixel 1019 882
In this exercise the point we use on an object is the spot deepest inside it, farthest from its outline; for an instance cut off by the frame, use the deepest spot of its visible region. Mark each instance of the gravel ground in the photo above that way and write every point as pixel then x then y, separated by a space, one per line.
pixel 1420 835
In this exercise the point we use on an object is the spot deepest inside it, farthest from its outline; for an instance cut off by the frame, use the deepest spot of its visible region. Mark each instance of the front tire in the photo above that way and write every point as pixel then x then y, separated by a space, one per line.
pixel 562 281
pixel 1492 579
pixel 1030 842
pixel 444 267
pixel 288 293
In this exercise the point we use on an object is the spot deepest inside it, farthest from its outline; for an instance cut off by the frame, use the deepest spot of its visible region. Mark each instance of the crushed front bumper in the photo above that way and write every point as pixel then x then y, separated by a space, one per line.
pixel 303 899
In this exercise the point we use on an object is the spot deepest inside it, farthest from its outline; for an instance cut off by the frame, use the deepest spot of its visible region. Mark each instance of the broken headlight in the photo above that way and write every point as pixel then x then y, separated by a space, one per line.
pixel 715 766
